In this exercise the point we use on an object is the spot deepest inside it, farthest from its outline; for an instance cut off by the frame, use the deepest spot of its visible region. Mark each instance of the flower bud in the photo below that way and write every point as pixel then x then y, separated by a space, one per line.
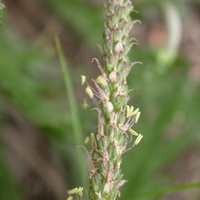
pixel 113 76
pixel 119 47
pixel 109 106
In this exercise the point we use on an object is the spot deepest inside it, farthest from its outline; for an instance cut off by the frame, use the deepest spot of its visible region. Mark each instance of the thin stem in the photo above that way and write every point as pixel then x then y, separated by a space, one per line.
pixel 74 114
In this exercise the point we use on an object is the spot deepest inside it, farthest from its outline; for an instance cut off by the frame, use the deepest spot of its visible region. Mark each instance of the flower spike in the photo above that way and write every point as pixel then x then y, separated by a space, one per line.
pixel 110 96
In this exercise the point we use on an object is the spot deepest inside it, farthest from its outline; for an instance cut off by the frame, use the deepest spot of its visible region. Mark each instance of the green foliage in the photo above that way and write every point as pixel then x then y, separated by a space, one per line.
pixel 2 7
pixel 9 188
pixel 77 132
pixel 115 116
pixel 168 101
pixel 21 83
pixel 83 18
pixel 168 190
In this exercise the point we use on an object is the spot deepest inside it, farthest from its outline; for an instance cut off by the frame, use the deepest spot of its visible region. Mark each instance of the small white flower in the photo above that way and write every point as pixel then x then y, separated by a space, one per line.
pixel 113 76
pixel 119 47
pixel 109 106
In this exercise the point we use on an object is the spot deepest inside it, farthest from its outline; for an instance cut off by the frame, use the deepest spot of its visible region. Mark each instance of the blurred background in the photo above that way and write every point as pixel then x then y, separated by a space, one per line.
pixel 38 146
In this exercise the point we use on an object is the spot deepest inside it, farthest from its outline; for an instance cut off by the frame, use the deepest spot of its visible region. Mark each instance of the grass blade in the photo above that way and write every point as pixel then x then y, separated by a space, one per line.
pixel 168 190
pixel 78 138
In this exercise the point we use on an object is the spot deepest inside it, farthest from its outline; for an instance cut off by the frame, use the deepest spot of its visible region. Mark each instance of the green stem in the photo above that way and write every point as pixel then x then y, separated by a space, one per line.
pixel 74 114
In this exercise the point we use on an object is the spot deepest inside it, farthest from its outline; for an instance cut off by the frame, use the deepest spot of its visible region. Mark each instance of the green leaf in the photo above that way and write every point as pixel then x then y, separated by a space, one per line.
pixel 168 190
pixel 77 132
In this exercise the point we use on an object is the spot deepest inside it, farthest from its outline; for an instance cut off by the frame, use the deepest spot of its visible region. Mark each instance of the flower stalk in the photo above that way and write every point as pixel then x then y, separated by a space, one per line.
pixel 110 95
